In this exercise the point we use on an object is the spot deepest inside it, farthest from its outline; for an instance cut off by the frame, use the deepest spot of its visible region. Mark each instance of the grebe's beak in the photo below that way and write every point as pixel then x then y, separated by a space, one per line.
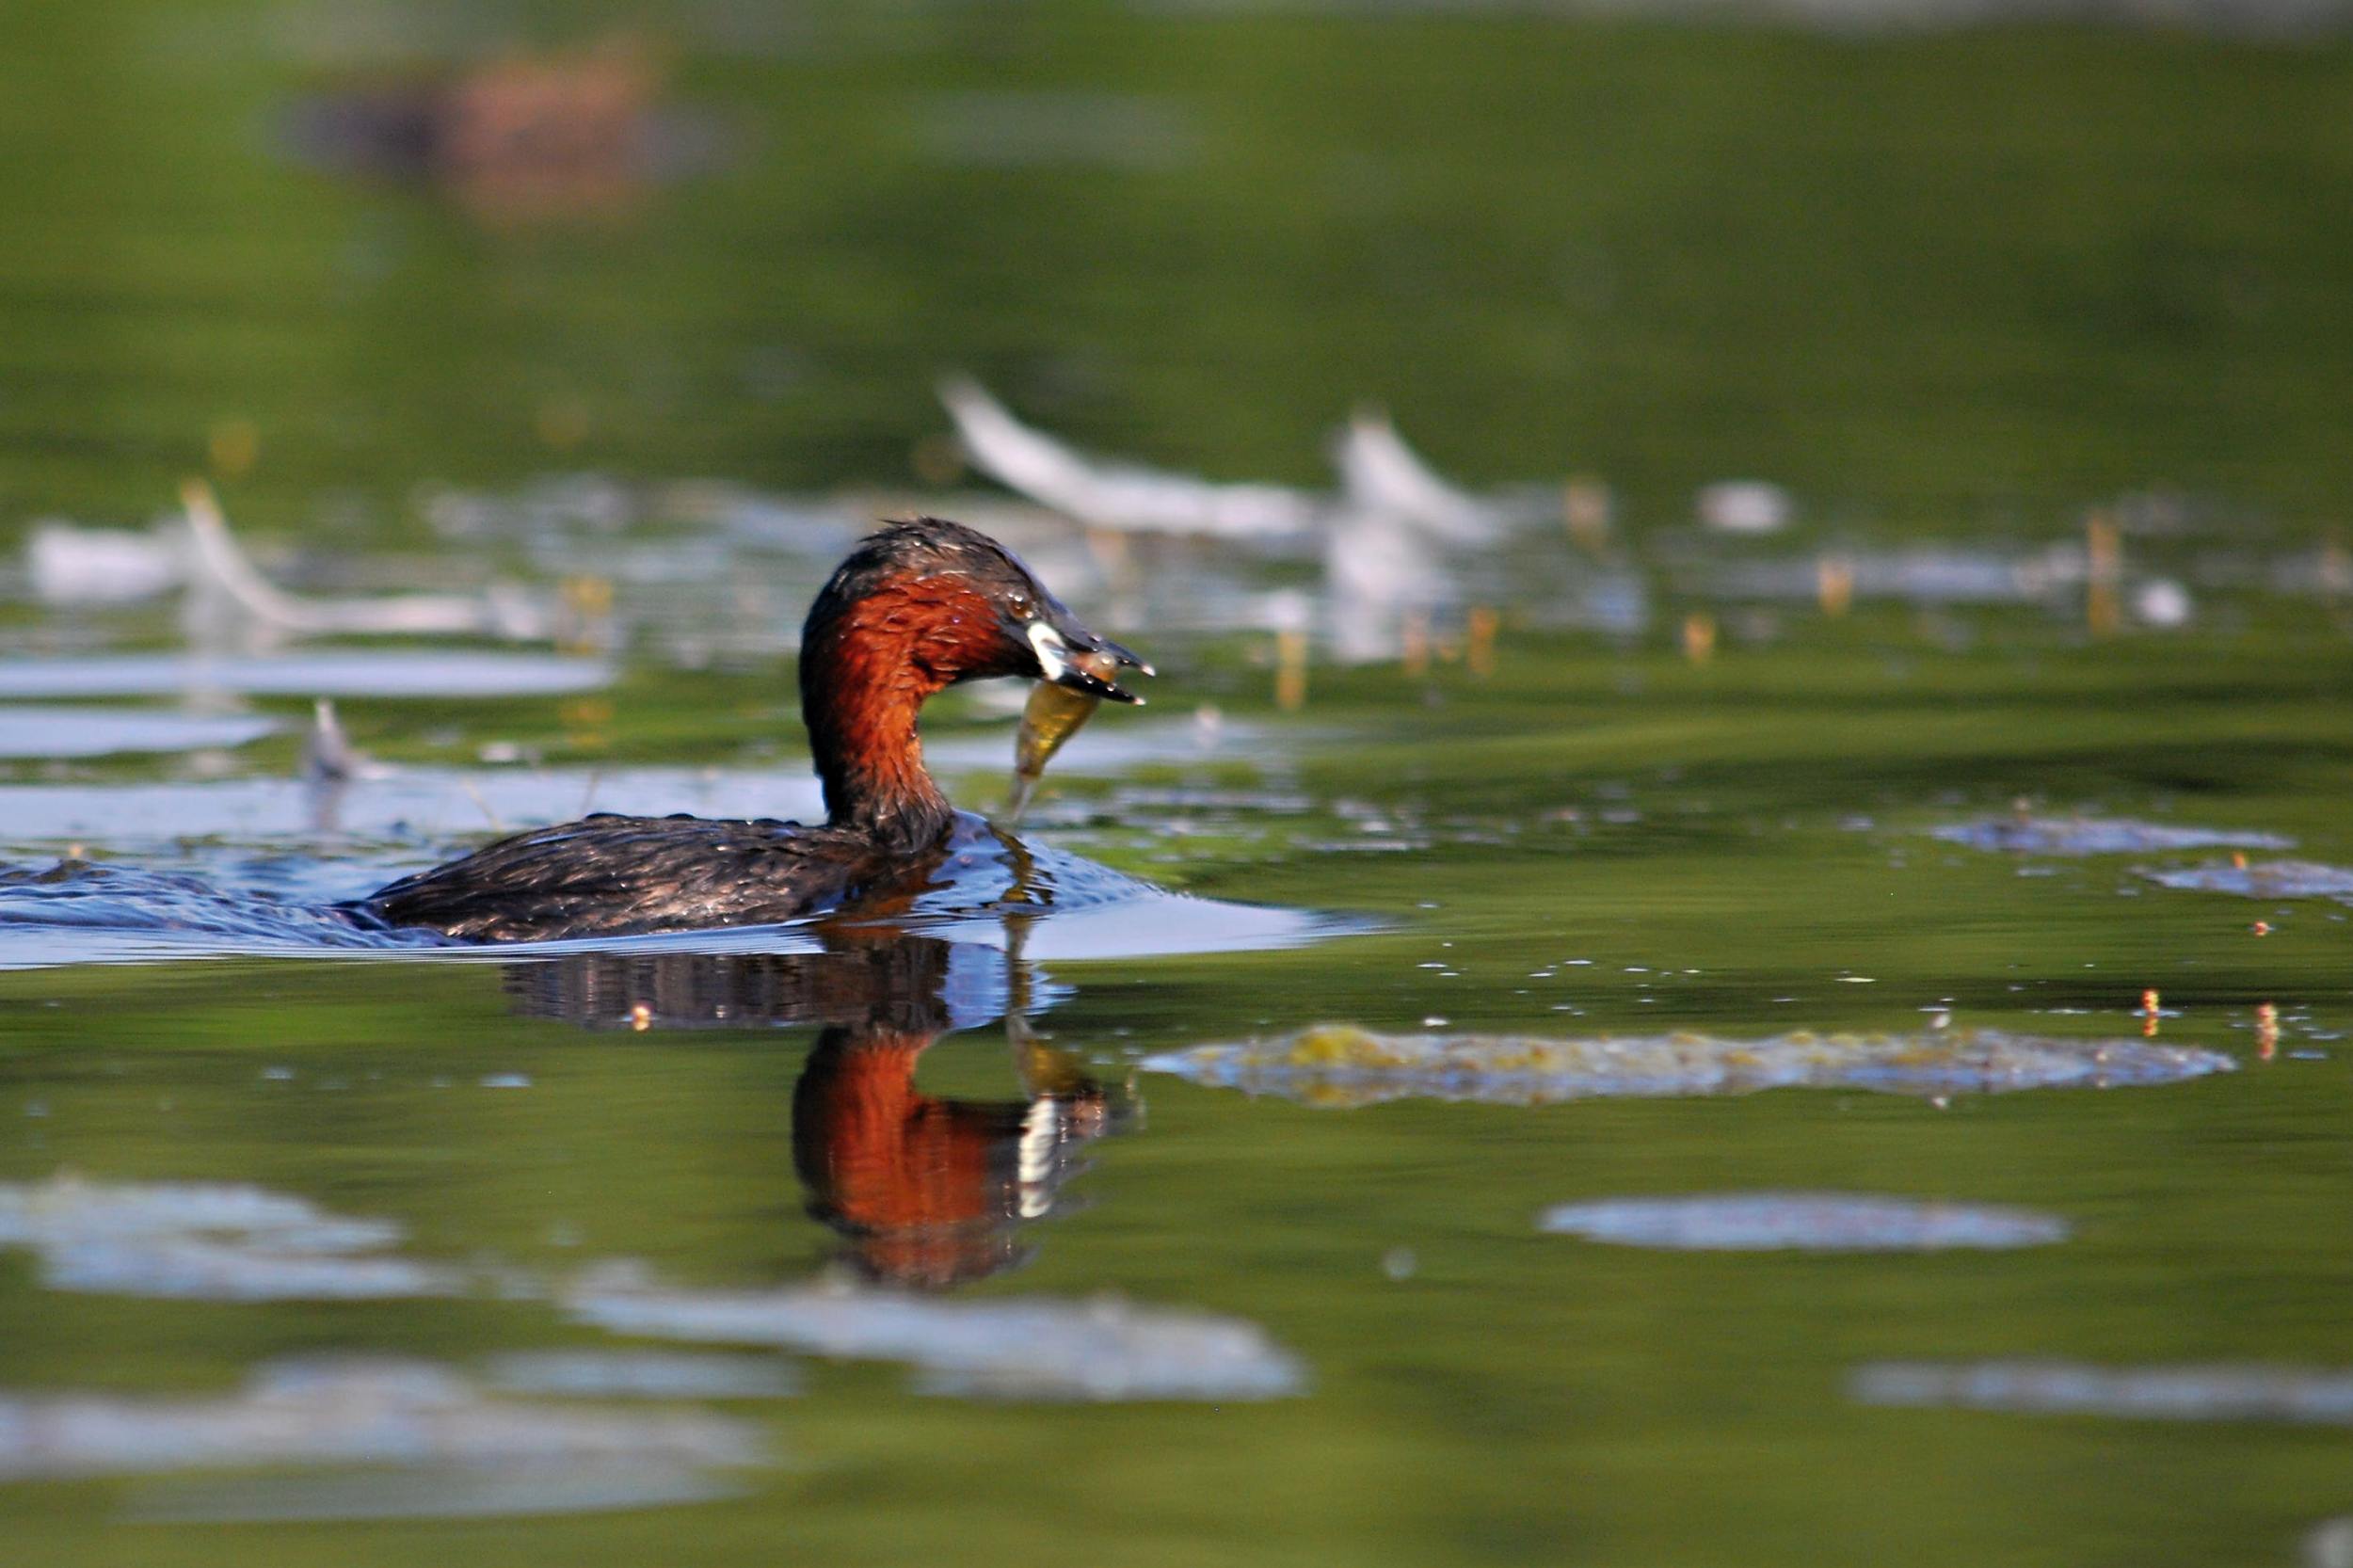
pixel 1059 652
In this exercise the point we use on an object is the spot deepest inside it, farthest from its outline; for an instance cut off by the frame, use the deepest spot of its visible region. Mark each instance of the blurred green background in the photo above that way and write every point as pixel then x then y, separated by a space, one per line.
pixel 1926 276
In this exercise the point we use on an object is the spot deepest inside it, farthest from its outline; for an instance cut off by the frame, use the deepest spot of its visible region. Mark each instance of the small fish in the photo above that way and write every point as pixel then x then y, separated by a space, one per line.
pixel 1054 713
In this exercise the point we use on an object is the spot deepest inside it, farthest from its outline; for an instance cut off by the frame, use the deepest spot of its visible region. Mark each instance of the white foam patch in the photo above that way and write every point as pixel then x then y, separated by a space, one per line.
pixel 1801 1221
pixel 1019 1347
pixel 209 1243
pixel 350 1412
pixel 2222 1392
pixel 642 1375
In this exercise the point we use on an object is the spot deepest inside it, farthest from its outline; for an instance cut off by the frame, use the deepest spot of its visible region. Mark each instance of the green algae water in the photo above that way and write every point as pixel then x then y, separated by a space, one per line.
pixel 896 1241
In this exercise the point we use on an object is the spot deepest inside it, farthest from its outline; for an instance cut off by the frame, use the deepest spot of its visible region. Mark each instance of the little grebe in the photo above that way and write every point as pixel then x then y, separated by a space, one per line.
pixel 915 608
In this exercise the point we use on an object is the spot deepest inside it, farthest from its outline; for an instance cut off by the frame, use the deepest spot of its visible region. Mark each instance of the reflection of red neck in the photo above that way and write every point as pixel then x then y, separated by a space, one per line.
pixel 867 666
pixel 884 1157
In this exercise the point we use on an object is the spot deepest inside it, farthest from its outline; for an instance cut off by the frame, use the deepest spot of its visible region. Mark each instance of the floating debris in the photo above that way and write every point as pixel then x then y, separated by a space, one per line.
pixel 1379 474
pixel 1834 584
pixel 2260 879
pixel 1339 1066
pixel 207 1242
pixel 1589 507
pixel 1801 1221
pixel 1382 585
pixel 2026 835
pixel 1114 495
pixel 328 755
pixel 1744 506
pixel 2224 1392
pixel 1921 574
pixel 71 565
pixel 347 1412
pixel 642 1375
pixel 2162 604
pixel 221 569
pixel 2104 570
pixel 1033 1348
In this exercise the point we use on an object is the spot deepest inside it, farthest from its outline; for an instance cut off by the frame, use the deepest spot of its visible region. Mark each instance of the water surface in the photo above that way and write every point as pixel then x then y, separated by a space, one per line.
pixel 305 1233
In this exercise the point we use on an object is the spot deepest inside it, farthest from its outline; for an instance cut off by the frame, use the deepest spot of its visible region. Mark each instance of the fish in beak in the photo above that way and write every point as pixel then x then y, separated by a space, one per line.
pixel 1077 681
pixel 1071 656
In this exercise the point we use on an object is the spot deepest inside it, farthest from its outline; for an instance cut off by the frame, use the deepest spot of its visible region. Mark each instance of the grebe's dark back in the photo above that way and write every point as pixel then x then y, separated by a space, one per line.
pixel 915 608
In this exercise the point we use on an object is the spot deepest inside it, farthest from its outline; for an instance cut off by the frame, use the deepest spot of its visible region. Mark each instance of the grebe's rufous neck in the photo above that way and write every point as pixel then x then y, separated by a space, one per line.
pixel 915 608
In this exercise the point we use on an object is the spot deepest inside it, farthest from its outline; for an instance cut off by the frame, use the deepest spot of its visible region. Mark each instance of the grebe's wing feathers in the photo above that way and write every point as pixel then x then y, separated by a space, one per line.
pixel 613 875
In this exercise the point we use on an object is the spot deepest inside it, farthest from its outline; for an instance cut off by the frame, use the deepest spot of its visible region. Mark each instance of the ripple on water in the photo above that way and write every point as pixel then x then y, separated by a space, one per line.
pixel 1341 1065
pixel 2221 1392
pixel 75 912
pixel 2098 836
pixel 1801 1221
pixel 986 891
pixel 1012 1347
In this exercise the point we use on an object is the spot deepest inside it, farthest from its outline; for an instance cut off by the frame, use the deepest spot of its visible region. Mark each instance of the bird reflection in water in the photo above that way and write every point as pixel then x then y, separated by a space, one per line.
pixel 928 1191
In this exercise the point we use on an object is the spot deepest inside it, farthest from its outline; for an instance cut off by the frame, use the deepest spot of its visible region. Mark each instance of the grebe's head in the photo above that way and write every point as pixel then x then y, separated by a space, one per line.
pixel 964 608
